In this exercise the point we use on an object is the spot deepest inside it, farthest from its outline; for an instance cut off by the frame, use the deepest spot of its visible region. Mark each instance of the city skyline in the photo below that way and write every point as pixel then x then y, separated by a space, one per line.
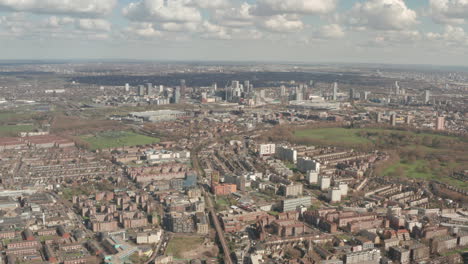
pixel 366 31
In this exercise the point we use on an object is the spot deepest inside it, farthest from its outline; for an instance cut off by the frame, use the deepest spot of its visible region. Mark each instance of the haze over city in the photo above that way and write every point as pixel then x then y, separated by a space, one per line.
pixel 233 132
pixel 376 31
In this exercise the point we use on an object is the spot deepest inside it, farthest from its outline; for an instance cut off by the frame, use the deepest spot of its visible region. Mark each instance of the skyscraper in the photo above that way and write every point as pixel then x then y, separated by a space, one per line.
pixel 299 94
pixel 393 119
pixel 351 94
pixel 397 88
pixel 235 84
pixel 366 95
pixel 149 89
pixel 183 88
pixel 427 96
pixel 282 91
pixel 335 91
pixel 141 90
pixel 127 87
pixel 247 86
pixel 176 96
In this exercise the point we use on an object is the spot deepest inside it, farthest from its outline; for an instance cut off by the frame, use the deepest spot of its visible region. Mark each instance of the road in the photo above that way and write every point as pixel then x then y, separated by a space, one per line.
pixel 219 230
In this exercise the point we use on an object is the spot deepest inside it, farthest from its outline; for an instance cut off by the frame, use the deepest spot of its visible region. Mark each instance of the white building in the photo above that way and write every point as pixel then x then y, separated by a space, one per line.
pixel 266 149
pixel 343 188
pixel 312 177
pixel 324 182
pixel 334 195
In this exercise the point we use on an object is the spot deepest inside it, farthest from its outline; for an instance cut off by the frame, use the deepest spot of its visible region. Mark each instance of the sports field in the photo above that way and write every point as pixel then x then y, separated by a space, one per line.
pixel 12 130
pixel 116 139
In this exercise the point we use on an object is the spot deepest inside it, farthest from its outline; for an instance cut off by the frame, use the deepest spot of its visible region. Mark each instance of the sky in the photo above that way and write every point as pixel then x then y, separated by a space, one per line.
pixel 314 31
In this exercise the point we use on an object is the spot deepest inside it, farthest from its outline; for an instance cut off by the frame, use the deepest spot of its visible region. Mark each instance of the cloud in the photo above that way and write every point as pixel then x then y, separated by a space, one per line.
pixel 179 27
pixel 281 24
pixel 140 30
pixel 383 39
pixel 211 4
pixel 22 26
pixel 382 15
pixel 179 11
pixel 55 21
pixel 272 7
pixel 235 16
pixel 449 11
pixel 212 31
pixel 451 36
pixel 332 31
pixel 94 25
pixel 85 8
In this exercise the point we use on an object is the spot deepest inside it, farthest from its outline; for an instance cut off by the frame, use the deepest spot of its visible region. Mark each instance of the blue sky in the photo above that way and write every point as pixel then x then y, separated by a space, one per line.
pixel 377 31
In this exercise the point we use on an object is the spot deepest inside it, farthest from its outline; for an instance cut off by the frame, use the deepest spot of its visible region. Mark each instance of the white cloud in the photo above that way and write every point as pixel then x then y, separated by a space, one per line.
pixel 235 16
pixel 94 25
pixel 332 31
pixel 142 30
pixel 179 27
pixel 55 21
pixel 452 36
pixel 281 24
pixel 449 11
pixel 179 11
pixel 212 31
pixel 22 26
pixel 394 39
pixel 211 4
pixel 382 15
pixel 68 7
pixel 272 7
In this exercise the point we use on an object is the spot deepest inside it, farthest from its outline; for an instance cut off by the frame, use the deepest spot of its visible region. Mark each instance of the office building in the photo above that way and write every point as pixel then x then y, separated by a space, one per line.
pixel 427 96
pixel 283 91
pixel 149 89
pixel 393 119
pixel 335 91
pixel 397 88
pixel 247 86
pixel 183 88
pixel 176 95
pixel 299 94
pixel 141 90
pixel 352 94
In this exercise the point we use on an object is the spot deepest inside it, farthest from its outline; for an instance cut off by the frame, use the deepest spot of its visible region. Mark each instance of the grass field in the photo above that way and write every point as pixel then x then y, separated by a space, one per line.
pixel 422 156
pixel 115 139
pixel 10 130
pixel 178 245
pixel 332 136
pixel 351 136
pixel 418 169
